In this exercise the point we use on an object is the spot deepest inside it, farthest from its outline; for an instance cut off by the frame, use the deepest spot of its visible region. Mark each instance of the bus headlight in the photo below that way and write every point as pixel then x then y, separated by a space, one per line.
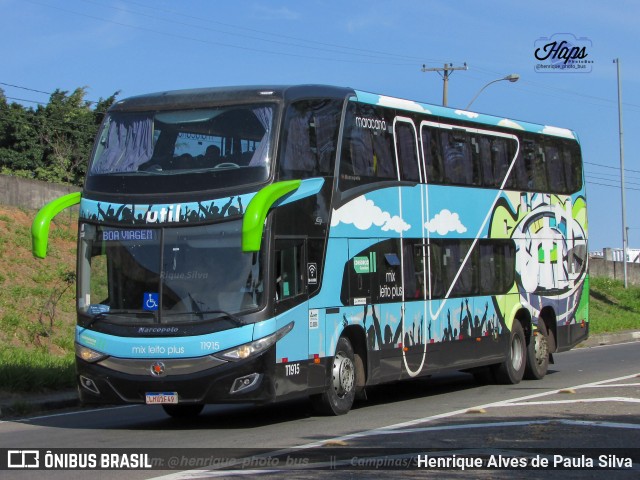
pixel 254 348
pixel 89 355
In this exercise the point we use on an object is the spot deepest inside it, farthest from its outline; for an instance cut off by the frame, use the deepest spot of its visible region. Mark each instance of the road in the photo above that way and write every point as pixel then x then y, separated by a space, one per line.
pixel 588 404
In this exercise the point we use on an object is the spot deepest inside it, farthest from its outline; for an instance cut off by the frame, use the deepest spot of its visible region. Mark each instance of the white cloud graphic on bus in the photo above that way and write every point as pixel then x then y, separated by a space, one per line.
pixel 467 114
pixel 363 213
pixel 445 222
pixel 558 132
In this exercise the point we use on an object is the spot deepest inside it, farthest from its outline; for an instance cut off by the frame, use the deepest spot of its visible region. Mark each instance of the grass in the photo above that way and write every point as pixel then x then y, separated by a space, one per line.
pixel 36 341
pixel 613 308
pixel 22 370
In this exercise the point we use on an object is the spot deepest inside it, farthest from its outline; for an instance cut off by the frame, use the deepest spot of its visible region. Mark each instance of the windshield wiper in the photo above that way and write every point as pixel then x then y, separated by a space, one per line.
pixel 95 318
pixel 237 321
pixel 198 311
pixel 102 315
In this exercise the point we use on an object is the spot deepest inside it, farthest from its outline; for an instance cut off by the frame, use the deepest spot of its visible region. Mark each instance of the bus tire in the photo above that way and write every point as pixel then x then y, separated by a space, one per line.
pixel 511 370
pixel 183 411
pixel 537 353
pixel 339 395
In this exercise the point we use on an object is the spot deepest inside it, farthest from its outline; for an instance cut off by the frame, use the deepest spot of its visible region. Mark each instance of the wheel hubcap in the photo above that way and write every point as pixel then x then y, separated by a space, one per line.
pixel 517 354
pixel 343 374
pixel 541 348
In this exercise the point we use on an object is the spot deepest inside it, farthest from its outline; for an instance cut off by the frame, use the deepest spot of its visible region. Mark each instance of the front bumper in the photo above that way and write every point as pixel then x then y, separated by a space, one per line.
pixel 202 380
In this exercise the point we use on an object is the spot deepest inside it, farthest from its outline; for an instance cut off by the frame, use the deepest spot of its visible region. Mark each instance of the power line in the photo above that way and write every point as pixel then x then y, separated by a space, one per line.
pixel 612 186
pixel 37 91
pixel 446 70
pixel 24 100
pixel 25 88
pixel 613 176
pixel 313 44
pixel 611 180
pixel 611 167
pixel 211 42
pixel 611 102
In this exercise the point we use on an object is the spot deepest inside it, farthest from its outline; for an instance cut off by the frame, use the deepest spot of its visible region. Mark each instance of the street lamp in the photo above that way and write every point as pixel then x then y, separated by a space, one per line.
pixel 514 77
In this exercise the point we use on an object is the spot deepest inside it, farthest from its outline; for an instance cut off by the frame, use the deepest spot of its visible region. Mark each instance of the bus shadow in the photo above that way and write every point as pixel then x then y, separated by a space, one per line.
pixel 246 416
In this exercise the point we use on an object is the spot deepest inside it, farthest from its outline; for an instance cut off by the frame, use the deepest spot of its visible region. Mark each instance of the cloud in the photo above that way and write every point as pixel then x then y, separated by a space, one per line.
pixel 558 132
pixel 505 122
pixel 445 222
pixel 467 114
pixel 363 214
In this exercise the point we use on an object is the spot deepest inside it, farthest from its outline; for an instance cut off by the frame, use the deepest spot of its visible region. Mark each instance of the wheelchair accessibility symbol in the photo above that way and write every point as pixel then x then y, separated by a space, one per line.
pixel 150 301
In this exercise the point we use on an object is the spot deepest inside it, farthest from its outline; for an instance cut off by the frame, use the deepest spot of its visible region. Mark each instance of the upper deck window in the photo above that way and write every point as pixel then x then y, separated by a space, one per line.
pixel 310 138
pixel 199 149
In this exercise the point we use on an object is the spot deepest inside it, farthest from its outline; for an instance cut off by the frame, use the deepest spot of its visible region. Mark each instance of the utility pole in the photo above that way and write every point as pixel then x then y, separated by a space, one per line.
pixel 624 216
pixel 445 73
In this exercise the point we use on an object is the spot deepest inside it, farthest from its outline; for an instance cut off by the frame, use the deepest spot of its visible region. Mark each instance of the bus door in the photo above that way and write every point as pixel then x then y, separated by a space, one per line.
pixel 291 304
pixel 412 212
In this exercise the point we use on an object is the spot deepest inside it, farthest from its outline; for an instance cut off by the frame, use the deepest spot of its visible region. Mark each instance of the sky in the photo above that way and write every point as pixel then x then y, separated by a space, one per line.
pixel 143 46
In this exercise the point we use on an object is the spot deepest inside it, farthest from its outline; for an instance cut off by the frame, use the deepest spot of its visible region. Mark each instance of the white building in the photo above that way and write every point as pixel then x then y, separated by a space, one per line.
pixel 615 254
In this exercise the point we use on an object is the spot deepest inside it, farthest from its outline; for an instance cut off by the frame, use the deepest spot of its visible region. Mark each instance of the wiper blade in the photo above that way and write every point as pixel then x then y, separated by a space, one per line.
pixel 95 318
pixel 198 311
pixel 201 313
pixel 102 315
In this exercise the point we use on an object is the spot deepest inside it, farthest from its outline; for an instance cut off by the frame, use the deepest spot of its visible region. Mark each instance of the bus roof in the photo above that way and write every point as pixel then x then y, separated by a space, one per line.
pixel 458 114
pixel 203 97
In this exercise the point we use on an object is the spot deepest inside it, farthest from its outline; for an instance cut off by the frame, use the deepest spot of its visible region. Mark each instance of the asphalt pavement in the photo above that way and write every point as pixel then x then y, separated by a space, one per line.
pixel 14 404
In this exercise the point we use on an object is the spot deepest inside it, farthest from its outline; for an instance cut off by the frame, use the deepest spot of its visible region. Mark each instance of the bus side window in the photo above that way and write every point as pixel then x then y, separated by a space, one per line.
pixel 557 183
pixel 502 152
pixel 490 269
pixel 540 166
pixel 461 166
pixel 406 148
pixel 289 278
pixel 298 159
pixel 414 264
pixel 437 267
pixel 466 282
pixel 310 138
pixel 367 149
pixel 523 168
pixel 431 153
pixel 384 165
pixel 505 255
pixel 572 163
pixel 485 158
pixel 360 278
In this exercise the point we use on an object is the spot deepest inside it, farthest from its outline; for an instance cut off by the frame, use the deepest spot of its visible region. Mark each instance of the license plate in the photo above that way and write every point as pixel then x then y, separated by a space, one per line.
pixel 160 398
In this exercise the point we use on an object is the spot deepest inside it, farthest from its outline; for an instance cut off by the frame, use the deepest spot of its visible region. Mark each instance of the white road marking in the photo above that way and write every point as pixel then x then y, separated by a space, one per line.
pixel 64 414
pixel 401 428
pixel 577 400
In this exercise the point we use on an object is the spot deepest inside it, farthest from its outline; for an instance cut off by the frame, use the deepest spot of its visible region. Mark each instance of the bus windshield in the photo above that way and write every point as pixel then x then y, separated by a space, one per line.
pixel 169 275
pixel 212 148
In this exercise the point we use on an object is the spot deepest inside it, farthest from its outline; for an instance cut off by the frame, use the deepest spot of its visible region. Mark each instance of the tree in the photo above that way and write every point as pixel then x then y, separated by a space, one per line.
pixel 52 143
pixel 20 151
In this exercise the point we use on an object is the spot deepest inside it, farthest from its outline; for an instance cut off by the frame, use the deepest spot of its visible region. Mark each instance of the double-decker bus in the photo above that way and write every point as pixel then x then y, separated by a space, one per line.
pixel 258 244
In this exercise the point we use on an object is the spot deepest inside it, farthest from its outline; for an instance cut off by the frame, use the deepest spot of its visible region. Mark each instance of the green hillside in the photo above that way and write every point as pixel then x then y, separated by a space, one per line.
pixel 37 300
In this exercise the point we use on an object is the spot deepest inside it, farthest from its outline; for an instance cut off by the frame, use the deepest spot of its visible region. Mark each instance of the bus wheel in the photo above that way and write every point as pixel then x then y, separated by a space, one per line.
pixel 511 370
pixel 338 398
pixel 537 353
pixel 183 411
